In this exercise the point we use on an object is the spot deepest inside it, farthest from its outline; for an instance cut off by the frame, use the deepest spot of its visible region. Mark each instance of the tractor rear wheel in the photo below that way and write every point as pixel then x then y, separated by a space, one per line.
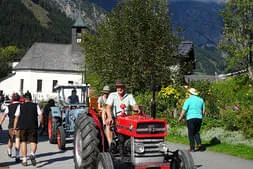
pixel 183 160
pixel 105 161
pixel 61 138
pixel 86 143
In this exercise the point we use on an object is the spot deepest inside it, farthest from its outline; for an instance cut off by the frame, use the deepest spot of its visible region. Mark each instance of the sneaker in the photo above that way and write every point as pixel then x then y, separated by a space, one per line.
pixel 9 154
pixel 32 157
pixel 24 163
pixel 190 150
pixel 197 147
pixel 17 160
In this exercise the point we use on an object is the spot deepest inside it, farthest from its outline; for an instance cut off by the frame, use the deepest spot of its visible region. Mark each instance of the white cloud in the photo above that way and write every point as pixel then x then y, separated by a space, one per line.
pixel 216 1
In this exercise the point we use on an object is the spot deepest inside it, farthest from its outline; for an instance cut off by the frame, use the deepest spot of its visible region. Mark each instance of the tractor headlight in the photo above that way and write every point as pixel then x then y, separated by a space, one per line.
pixel 163 147
pixel 139 147
pixel 72 117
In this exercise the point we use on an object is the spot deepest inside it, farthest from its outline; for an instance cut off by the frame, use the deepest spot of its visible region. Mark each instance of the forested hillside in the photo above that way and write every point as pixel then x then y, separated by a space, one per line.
pixel 23 22
pixel 21 28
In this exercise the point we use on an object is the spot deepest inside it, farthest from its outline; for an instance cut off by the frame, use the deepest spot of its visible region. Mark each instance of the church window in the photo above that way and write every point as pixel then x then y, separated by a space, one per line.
pixel 39 85
pixel 21 85
pixel 54 84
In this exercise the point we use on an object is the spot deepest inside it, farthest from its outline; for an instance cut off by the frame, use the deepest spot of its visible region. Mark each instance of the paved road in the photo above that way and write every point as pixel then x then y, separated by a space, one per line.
pixel 49 157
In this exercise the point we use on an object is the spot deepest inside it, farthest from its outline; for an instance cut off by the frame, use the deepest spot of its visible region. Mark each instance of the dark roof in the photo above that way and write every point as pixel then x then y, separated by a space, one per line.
pixel 49 56
pixel 184 48
pixel 79 22
pixel 189 78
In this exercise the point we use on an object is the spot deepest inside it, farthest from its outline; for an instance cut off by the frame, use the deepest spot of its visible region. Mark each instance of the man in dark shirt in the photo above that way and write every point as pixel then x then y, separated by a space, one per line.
pixel 26 121
pixel 10 111
pixel 73 98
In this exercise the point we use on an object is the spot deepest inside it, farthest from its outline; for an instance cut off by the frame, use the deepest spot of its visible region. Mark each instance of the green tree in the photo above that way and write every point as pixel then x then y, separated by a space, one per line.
pixel 237 32
pixel 134 42
pixel 8 55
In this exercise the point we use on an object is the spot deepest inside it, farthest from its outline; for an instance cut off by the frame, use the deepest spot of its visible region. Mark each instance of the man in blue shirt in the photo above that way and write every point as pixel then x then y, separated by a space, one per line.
pixel 73 98
pixel 194 109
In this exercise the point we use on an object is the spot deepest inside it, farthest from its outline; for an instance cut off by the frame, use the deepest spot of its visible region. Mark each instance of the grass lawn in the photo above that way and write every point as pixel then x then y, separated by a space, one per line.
pixel 240 150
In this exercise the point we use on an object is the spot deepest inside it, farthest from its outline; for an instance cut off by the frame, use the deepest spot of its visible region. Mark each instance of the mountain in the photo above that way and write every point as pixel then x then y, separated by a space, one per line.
pixel 24 22
pixel 200 22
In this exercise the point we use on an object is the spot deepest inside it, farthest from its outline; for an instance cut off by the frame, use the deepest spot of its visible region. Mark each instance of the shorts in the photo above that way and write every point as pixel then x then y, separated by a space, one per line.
pixel 29 135
pixel 10 134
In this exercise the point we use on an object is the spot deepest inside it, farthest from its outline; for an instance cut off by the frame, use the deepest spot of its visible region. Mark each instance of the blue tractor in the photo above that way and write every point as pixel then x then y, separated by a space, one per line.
pixel 72 101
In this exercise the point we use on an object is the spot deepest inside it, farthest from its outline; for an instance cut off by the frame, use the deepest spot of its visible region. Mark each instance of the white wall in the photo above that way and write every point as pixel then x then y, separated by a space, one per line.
pixel 12 84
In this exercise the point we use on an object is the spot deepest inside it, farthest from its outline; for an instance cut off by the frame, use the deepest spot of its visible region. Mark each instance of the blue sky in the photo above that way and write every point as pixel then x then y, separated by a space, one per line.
pixel 217 1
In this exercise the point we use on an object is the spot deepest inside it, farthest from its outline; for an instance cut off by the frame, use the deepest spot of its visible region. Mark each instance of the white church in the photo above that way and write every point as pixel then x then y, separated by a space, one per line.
pixel 47 64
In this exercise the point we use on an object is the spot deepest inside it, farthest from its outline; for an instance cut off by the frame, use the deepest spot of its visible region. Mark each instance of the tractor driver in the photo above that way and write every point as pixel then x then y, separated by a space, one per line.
pixel 73 98
pixel 113 103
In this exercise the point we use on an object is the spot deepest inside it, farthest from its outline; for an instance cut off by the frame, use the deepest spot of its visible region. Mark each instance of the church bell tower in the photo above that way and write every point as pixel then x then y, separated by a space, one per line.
pixel 77 29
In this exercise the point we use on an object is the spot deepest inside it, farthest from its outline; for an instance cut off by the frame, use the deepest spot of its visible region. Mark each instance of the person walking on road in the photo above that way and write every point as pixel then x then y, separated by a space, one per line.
pixel 10 111
pixel 26 121
pixel 194 109
pixel 46 111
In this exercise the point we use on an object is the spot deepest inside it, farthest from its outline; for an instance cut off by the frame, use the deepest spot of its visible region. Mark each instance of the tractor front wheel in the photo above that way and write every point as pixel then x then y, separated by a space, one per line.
pixel 105 161
pixel 86 143
pixel 61 138
pixel 183 160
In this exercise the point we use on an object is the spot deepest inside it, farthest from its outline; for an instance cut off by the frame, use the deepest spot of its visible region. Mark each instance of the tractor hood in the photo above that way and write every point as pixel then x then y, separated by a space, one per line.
pixel 141 126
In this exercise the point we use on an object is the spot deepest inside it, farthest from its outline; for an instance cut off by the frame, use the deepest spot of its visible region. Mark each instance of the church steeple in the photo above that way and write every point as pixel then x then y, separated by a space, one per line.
pixel 77 29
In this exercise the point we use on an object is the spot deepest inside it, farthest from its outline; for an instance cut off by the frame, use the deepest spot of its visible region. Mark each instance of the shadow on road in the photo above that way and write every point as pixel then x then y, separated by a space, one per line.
pixel 7 164
pixel 3 137
pixel 214 141
pixel 41 164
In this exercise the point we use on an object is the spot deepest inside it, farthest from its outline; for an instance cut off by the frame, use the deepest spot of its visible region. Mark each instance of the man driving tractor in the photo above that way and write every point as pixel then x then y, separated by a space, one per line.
pixel 113 103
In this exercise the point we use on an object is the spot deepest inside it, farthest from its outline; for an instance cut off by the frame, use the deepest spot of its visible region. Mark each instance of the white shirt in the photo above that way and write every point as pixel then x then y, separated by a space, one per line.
pixel 6 108
pixel 115 102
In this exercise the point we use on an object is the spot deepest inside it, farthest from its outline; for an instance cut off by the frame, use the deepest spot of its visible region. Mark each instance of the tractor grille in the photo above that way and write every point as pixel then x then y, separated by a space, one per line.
pixel 150 128
pixel 151 152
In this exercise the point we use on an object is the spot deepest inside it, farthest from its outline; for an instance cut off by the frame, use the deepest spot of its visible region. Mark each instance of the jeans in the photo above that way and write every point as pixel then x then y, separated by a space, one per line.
pixel 194 126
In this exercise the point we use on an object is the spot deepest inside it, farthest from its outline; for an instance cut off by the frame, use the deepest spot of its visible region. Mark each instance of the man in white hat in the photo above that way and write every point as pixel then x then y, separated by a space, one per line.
pixel 194 109
pixel 101 102
pixel 102 109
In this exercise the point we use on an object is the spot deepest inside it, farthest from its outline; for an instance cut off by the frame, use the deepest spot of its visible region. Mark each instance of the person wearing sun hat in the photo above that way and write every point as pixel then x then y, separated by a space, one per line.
pixel 193 109
pixel 102 109
pixel 114 102
pixel 101 102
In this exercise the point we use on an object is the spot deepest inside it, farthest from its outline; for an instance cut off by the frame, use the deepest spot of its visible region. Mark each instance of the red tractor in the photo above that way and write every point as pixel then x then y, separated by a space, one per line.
pixel 138 143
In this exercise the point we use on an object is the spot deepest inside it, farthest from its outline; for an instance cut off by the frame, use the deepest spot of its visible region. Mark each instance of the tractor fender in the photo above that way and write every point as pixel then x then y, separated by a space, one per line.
pixel 76 112
pixel 56 112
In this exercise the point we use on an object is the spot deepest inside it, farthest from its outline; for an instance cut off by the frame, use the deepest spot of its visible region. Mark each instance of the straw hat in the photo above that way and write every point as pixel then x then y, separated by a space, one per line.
pixel 106 89
pixel 193 91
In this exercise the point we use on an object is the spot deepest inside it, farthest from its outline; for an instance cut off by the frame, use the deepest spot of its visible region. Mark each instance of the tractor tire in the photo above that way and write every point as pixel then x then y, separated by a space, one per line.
pixel 61 138
pixel 105 161
pixel 52 129
pixel 86 143
pixel 183 160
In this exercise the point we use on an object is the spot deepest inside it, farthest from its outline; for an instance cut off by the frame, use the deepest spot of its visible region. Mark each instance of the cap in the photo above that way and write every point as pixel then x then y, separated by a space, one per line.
pixel 120 83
